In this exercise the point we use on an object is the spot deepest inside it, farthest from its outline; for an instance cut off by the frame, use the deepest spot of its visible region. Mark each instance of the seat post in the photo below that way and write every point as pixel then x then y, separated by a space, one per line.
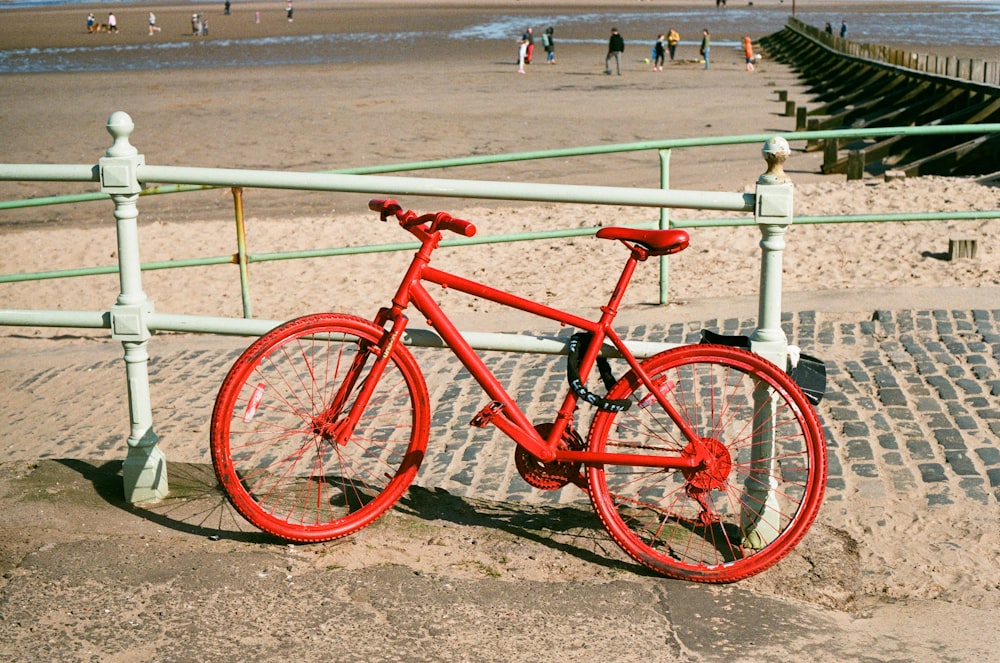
pixel 610 310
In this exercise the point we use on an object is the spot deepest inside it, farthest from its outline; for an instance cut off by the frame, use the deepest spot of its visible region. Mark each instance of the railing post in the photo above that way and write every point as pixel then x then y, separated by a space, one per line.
pixel 773 214
pixel 145 468
pixel 241 250
pixel 664 224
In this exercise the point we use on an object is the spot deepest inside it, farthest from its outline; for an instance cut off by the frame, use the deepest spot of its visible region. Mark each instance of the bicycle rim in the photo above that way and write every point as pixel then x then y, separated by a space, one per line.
pixel 273 441
pixel 762 468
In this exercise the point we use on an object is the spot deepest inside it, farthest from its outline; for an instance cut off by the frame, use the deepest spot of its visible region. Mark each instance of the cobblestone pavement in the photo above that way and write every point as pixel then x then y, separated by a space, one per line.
pixel 907 529
pixel 911 407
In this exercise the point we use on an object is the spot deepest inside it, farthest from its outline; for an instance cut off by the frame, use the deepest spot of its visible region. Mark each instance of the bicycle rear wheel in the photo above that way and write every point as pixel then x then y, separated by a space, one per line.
pixel 757 488
pixel 277 442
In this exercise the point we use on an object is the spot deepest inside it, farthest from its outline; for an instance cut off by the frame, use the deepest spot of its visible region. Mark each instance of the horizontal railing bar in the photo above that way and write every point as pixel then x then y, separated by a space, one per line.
pixel 415 337
pixel 31 318
pixel 450 188
pixel 496 239
pixel 895 217
pixel 674 143
pixel 33 172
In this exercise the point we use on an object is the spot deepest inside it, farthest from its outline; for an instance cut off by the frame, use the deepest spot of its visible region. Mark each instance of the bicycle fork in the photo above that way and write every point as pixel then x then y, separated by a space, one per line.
pixel 339 428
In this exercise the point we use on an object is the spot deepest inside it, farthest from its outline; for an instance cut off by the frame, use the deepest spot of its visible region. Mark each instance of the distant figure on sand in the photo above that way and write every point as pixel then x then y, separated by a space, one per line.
pixel 548 42
pixel 288 10
pixel 153 27
pixel 616 47
pixel 659 52
pixel 226 12
pixel 673 38
pixel 522 54
pixel 748 52
pixel 529 37
pixel 706 45
pixel 195 24
pixel 91 22
pixel 112 23
pixel 843 29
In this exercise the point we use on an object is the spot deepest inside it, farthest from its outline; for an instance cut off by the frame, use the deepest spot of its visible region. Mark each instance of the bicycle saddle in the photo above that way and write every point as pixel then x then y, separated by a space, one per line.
pixel 656 242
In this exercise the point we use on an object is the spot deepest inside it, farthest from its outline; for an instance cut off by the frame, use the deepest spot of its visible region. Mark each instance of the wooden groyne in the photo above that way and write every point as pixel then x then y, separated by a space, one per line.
pixel 857 85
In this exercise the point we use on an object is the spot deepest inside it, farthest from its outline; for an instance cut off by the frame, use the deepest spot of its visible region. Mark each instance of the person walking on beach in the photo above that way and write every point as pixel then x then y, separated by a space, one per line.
pixel 748 52
pixel 706 45
pixel 549 44
pixel 673 38
pixel 289 10
pixel 659 52
pixel 153 27
pixel 529 38
pixel 616 47
pixel 522 54
pixel 112 23
pixel 843 29
pixel 91 22
pixel 195 24
pixel 227 6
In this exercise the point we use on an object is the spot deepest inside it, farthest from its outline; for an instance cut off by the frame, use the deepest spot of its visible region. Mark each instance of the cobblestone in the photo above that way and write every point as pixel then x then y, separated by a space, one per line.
pixel 911 408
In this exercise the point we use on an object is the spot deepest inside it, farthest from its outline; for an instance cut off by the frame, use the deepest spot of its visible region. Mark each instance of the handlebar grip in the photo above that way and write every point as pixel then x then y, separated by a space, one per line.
pixel 457 226
pixel 385 208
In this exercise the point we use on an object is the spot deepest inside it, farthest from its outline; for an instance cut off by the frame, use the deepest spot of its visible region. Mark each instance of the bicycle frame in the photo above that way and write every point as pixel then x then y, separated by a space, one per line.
pixel 503 411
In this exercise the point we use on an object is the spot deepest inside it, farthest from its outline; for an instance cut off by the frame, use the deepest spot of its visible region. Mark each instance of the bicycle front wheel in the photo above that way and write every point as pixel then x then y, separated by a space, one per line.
pixel 760 472
pixel 281 448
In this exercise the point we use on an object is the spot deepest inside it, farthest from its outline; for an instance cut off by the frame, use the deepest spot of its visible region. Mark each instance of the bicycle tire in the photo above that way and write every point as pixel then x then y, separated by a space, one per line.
pixel 749 504
pixel 271 456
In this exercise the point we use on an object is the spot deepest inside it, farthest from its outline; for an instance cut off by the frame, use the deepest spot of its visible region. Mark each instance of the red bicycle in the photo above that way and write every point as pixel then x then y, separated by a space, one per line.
pixel 704 462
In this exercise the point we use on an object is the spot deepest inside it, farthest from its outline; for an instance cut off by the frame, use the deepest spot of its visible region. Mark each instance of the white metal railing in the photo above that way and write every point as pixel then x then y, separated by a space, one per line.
pixel 132 319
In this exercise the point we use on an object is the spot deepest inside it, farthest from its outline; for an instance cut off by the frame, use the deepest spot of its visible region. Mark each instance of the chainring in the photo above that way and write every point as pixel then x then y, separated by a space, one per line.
pixel 552 475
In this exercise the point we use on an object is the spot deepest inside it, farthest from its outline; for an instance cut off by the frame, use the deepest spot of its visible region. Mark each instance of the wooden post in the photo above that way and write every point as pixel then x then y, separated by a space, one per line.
pixel 789 109
pixel 961 248
pixel 800 118
pixel 812 144
pixel 829 153
pixel 856 165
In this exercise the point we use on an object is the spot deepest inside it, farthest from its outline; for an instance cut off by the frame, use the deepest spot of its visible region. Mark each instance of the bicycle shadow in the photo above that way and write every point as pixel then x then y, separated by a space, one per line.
pixel 197 506
pixel 571 529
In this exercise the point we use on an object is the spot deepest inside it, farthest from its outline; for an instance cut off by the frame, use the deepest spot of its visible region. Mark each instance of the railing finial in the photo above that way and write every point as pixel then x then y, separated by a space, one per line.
pixel 120 126
pixel 775 151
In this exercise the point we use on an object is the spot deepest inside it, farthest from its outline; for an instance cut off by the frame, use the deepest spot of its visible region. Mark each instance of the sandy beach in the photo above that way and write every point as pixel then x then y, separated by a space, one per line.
pixel 436 102
pixel 449 99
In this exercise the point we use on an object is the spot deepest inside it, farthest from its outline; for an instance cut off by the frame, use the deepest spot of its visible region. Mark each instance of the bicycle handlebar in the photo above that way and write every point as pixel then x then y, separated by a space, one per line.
pixel 409 218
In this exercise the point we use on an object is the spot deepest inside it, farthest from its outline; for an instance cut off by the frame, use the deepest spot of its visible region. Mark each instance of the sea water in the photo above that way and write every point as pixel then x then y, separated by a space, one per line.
pixel 952 22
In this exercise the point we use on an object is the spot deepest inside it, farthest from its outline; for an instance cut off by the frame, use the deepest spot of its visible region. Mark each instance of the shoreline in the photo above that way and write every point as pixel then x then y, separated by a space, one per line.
pixel 63 26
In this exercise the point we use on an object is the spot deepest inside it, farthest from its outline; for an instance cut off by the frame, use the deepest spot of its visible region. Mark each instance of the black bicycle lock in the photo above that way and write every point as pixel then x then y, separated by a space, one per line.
pixel 578 344
pixel 808 372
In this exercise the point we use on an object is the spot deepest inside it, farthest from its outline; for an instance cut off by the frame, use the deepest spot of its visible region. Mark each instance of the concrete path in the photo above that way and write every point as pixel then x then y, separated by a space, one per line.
pixel 912 417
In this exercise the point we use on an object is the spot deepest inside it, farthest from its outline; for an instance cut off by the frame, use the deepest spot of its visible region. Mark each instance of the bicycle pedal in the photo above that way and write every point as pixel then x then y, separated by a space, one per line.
pixel 486 415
